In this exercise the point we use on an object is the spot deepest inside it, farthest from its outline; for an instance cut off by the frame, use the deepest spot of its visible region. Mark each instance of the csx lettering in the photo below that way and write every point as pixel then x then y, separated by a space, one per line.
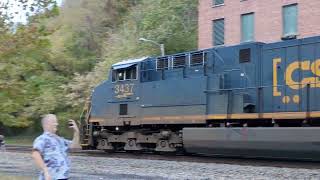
pixel 307 65
pixel 303 66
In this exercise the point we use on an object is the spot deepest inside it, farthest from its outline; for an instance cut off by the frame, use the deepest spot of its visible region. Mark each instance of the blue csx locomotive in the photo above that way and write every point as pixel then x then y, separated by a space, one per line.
pixel 252 99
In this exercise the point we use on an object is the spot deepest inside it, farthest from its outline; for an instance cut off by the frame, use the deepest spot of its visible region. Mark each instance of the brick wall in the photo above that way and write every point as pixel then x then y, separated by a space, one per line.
pixel 267 15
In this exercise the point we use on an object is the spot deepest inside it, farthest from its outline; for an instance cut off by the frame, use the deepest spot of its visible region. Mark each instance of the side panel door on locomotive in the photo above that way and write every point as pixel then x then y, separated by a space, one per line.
pixel 233 84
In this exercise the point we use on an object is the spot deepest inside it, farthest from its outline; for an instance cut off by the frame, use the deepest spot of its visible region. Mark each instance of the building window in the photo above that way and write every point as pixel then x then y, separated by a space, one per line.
pixel 247 27
pixel 218 32
pixel 289 16
pixel 217 2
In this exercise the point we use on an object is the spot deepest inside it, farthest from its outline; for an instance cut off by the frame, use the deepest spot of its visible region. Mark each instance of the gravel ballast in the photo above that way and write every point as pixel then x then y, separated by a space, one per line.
pixel 21 165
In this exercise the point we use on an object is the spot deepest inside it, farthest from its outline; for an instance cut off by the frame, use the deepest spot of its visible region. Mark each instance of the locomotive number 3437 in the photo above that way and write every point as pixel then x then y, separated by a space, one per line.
pixel 123 90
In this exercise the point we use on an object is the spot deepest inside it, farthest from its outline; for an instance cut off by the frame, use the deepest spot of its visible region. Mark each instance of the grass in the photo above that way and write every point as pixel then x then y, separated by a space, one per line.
pixel 19 140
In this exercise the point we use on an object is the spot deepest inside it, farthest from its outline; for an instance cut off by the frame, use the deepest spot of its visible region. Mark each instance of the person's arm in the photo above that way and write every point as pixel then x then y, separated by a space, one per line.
pixel 75 144
pixel 40 163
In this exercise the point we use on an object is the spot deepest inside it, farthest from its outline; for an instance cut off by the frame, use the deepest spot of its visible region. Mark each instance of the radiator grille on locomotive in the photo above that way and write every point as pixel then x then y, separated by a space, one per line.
pixel 244 55
pixel 198 58
pixel 162 63
pixel 179 61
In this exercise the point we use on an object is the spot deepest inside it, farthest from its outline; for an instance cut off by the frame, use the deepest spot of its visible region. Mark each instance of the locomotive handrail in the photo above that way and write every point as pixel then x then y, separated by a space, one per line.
pixel 230 70
pixel 170 61
pixel 81 116
pixel 87 109
pixel 256 87
pixel 180 66
pixel 126 100
pixel 169 105
pixel 126 116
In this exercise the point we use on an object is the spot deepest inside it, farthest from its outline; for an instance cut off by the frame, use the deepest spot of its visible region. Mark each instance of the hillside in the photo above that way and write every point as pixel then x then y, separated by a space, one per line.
pixel 52 63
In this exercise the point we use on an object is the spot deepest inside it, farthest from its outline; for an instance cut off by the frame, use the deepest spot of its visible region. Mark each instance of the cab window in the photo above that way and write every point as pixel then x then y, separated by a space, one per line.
pixel 129 73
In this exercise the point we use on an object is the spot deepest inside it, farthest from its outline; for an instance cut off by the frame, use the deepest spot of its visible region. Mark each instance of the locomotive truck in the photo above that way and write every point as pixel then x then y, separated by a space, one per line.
pixel 252 99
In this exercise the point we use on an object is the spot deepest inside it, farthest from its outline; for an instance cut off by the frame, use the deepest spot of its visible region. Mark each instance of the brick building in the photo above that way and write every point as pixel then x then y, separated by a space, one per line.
pixel 229 22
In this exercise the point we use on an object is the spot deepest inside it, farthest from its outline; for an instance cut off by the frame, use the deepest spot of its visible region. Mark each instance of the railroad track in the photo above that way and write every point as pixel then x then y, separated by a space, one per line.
pixel 182 158
pixel 16 148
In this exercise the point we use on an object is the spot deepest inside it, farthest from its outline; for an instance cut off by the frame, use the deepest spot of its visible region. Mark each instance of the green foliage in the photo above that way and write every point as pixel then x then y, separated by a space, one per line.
pixel 52 64
pixel 54 11
pixel 33 73
pixel 173 23
pixel 29 86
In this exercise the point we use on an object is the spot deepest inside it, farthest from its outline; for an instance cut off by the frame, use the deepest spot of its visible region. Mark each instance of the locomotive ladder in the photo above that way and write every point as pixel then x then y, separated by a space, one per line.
pixel 85 138
pixel 85 126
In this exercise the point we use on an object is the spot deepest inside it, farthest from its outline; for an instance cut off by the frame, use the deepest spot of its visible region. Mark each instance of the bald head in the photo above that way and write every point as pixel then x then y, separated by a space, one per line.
pixel 49 123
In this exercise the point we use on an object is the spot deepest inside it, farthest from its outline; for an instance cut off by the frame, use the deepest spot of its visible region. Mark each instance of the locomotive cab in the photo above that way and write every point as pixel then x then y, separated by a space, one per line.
pixel 121 107
pixel 120 93
pixel 124 98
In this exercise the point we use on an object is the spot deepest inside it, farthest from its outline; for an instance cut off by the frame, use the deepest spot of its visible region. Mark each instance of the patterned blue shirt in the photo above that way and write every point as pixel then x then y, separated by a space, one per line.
pixel 53 150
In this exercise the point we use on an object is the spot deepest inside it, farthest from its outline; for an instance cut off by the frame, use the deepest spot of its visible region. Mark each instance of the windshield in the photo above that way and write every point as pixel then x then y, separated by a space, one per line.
pixel 129 73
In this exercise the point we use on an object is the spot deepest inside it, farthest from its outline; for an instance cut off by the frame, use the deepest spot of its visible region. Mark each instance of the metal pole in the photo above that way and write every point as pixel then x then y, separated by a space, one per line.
pixel 162 49
pixel 153 42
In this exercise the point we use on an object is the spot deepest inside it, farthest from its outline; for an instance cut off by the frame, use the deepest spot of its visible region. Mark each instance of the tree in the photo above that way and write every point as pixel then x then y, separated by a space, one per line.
pixel 51 63
pixel 26 78
pixel 173 23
